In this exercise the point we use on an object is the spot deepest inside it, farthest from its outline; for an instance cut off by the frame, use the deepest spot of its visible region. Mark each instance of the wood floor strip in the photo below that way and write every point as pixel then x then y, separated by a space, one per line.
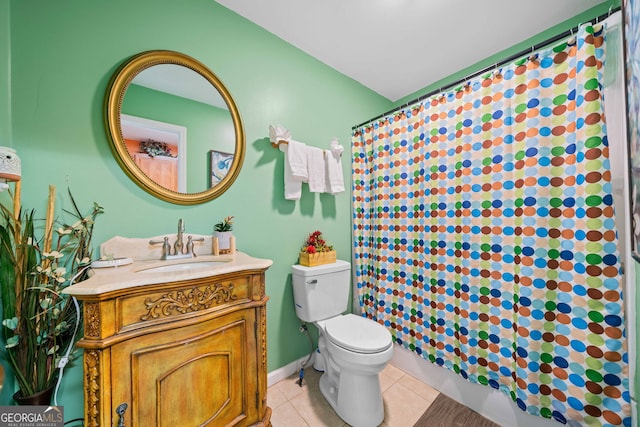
pixel 446 412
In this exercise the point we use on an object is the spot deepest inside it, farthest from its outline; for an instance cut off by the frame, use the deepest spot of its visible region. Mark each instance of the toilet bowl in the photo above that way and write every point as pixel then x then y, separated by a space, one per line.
pixel 351 382
pixel 353 349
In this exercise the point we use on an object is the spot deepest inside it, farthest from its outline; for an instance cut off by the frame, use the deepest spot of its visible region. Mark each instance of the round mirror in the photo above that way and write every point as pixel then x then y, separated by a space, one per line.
pixel 174 128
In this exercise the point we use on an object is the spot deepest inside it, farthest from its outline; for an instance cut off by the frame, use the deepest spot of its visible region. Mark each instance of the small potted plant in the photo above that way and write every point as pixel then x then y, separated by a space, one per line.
pixel 316 251
pixel 223 231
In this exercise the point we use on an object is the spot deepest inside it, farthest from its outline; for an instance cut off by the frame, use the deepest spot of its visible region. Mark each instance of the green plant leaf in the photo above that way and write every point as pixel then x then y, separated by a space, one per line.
pixel 11 323
pixel 13 341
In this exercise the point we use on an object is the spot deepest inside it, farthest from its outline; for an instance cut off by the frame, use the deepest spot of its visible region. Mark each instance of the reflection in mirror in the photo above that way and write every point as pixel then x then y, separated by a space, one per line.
pixel 172 94
pixel 166 114
pixel 159 149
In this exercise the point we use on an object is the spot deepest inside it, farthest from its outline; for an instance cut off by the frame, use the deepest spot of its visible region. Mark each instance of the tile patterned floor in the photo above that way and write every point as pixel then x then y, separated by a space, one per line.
pixel 405 399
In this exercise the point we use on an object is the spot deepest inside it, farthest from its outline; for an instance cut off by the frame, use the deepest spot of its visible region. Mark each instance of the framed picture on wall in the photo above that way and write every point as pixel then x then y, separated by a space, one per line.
pixel 631 16
pixel 220 163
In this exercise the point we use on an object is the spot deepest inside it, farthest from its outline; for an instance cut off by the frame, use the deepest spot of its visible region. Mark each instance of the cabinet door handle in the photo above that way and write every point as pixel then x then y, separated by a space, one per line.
pixel 312 282
pixel 120 410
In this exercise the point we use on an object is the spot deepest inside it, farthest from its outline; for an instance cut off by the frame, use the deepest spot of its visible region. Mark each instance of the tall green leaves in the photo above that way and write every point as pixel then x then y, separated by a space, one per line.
pixel 38 319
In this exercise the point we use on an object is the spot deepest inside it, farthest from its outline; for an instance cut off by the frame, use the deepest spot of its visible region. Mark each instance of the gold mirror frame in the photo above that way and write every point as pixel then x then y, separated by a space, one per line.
pixel 112 112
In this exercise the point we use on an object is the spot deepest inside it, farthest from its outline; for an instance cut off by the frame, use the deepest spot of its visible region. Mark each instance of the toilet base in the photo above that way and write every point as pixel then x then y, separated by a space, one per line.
pixel 318 361
pixel 360 402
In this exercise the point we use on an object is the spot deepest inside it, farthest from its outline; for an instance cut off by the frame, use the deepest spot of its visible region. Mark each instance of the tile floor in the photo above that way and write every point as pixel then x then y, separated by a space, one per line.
pixel 405 400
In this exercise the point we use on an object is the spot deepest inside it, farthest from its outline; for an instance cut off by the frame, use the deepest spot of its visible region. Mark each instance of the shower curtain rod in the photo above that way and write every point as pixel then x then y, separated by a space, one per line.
pixel 507 60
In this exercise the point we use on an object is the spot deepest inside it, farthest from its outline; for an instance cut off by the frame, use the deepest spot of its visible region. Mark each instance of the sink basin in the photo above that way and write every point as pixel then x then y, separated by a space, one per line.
pixel 185 266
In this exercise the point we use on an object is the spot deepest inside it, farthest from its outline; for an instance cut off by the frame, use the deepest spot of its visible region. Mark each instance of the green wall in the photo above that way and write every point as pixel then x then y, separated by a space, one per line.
pixel 63 53
pixel 5 134
pixel 5 75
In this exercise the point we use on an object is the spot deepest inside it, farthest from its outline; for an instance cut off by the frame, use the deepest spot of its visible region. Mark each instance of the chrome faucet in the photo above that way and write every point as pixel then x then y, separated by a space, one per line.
pixel 178 245
pixel 180 250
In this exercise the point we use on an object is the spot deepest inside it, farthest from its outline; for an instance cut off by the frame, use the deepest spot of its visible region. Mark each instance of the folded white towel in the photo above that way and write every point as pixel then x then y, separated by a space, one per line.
pixel 336 148
pixel 292 185
pixel 317 170
pixel 278 133
pixel 335 180
pixel 297 158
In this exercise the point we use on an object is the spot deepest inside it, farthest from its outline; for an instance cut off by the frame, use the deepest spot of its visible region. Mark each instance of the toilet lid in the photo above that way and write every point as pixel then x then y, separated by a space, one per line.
pixel 358 334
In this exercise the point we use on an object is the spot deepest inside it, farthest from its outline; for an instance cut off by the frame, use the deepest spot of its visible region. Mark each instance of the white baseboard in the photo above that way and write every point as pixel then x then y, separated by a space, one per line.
pixel 287 370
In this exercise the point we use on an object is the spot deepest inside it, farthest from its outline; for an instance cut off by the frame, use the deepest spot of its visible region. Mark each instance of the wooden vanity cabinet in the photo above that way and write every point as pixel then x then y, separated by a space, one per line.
pixel 184 353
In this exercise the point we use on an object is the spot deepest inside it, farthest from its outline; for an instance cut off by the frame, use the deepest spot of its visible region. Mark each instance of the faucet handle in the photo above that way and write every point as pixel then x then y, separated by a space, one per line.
pixel 189 248
pixel 166 247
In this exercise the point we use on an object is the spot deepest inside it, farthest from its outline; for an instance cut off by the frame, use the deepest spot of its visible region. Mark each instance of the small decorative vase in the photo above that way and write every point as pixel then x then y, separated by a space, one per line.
pixel 224 240
pixel 41 398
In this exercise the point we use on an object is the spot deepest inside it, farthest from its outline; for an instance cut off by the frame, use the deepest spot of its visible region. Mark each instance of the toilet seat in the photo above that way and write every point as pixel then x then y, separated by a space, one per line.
pixel 357 334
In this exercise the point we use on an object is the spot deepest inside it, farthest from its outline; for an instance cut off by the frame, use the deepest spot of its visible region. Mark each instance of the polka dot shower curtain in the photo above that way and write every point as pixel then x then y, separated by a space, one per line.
pixel 484 235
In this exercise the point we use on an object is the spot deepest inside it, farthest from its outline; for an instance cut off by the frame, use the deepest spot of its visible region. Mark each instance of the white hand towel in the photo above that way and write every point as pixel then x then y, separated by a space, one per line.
pixel 335 180
pixel 278 133
pixel 336 148
pixel 292 185
pixel 317 170
pixel 297 158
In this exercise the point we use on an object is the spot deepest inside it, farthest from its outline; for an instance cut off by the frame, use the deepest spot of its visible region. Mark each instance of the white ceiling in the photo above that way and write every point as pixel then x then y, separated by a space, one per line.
pixel 397 47
pixel 180 81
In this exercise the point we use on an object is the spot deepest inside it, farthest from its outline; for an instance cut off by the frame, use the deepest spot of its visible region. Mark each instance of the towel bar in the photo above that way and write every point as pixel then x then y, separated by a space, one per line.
pixel 277 145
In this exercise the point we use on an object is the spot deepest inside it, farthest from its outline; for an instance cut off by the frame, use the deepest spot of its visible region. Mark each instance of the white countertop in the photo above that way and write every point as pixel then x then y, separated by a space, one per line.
pixel 117 278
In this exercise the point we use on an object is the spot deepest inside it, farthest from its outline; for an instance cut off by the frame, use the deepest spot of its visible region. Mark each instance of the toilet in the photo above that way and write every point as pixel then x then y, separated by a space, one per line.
pixel 354 349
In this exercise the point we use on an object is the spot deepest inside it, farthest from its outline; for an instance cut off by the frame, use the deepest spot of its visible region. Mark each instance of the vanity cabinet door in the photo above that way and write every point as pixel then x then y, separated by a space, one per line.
pixel 199 375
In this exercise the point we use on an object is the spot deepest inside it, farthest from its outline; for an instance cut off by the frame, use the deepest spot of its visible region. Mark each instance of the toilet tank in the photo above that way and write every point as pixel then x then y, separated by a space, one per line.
pixel 322 291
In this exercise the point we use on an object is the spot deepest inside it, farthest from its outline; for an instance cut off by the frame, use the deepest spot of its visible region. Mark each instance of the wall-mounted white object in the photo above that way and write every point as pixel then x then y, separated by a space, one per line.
pixel 10 167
